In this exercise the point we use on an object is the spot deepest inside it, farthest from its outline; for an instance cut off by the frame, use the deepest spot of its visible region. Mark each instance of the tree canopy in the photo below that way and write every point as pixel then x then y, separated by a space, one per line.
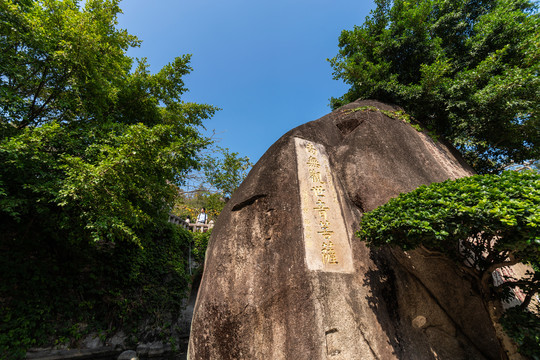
pixel 483 223
pixel 466 69
pixel 92 147
pixel 81 134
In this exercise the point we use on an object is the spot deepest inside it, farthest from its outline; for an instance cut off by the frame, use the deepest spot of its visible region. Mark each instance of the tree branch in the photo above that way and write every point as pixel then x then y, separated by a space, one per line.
pixel 495 266
pixel 53 94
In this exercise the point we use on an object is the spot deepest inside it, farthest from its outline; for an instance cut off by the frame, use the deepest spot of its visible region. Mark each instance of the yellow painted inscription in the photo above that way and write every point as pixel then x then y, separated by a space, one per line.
pixel 328 252
pixel 325 234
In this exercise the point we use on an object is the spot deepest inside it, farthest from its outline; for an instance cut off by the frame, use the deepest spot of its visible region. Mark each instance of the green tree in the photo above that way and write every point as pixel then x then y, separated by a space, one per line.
pixel 91 137
pixel 188 204
pixel 226 171
pixel 482 222
pixel 466 69
pixel 92 148
pixel 211 186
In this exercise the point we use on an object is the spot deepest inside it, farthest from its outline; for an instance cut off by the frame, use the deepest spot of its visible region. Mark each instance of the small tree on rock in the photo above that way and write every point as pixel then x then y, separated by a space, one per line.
pixel 482 223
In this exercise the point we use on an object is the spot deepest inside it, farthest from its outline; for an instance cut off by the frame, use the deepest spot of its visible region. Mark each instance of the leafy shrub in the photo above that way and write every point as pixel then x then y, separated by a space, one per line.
pixel 482 223
pixel 200 243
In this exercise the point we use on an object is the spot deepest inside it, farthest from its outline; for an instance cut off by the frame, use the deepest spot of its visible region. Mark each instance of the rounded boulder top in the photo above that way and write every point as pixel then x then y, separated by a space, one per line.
pixel 286 278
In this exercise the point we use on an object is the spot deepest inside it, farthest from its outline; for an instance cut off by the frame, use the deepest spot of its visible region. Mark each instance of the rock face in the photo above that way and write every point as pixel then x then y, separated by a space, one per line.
pixel 285 277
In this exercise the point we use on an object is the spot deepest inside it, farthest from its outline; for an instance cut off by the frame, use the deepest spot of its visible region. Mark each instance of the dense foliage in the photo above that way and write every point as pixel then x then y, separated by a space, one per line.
pixel 504 207
pixel 482 222
pixel 54 293
pixel 524 328
pixel 92 151
pixel 467 70
pixel 200 244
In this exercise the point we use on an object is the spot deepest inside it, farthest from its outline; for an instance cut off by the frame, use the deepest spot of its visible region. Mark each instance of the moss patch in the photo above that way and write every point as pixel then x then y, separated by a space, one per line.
pixel 398 115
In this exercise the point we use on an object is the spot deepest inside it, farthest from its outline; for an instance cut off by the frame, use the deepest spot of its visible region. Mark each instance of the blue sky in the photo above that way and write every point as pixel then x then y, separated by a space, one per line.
pixel 262 62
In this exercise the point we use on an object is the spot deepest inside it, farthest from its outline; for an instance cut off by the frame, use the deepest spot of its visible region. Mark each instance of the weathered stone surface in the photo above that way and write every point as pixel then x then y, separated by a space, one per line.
pixel 265 294
pixel 92 341
pixel 118 340
pixel 128 355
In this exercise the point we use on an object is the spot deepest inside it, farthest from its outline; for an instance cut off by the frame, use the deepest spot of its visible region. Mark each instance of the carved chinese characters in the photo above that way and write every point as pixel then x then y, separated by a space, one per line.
pixel 325 234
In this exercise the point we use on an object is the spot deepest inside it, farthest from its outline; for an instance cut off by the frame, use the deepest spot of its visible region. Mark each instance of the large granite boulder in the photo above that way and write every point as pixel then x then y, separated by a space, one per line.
pixel 285 277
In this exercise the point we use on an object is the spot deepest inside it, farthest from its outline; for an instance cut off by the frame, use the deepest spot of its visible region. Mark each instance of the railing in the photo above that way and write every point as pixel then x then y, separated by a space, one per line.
pixel 194 227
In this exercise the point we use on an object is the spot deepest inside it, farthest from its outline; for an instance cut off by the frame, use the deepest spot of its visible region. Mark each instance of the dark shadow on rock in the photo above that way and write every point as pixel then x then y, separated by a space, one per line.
pixel 417 312
pixel 383 299
pixel 247 202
